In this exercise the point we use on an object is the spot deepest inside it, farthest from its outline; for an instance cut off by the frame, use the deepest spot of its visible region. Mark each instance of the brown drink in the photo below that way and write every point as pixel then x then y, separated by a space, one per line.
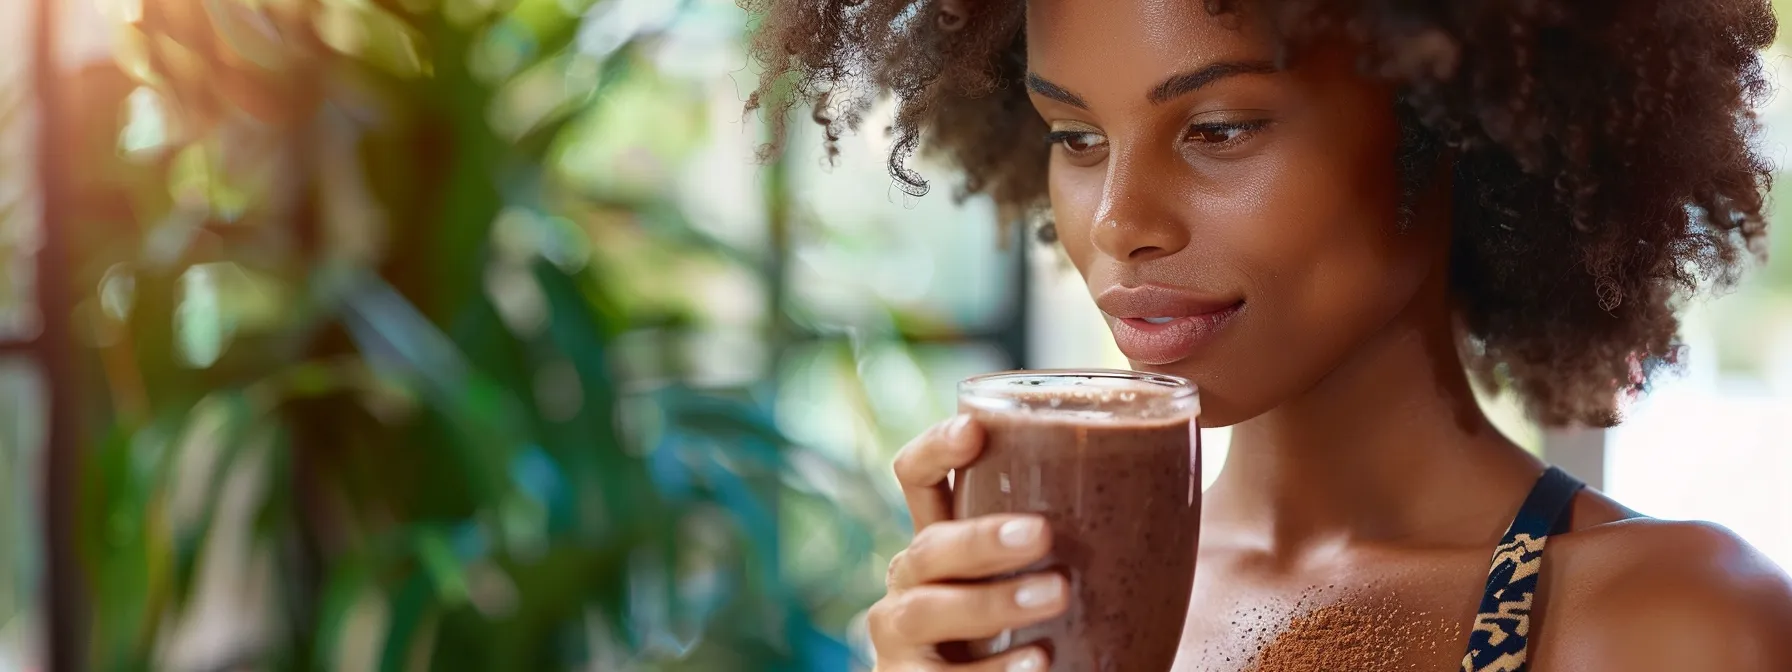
pixel 1111 459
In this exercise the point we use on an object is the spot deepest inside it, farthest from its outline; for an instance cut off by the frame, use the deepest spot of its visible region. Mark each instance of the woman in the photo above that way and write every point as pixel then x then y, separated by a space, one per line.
pixel 1339 210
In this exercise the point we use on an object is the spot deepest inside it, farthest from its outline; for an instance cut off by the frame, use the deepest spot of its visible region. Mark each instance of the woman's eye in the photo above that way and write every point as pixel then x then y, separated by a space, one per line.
pixel 1077 142
pixel 1222 133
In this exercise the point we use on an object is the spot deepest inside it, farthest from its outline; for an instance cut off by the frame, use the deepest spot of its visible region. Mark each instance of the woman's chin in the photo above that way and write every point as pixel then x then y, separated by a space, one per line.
pixel 1218 409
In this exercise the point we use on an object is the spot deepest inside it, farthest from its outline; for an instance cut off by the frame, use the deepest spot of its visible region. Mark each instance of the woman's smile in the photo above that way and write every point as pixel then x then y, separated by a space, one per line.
pixel 1156 325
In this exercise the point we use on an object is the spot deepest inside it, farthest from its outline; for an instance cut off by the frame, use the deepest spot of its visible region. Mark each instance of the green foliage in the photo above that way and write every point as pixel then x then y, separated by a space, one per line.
pixel 352 324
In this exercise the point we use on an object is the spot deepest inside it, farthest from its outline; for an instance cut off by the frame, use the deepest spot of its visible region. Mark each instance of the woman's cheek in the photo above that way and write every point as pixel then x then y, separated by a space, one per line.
pixel 1074 199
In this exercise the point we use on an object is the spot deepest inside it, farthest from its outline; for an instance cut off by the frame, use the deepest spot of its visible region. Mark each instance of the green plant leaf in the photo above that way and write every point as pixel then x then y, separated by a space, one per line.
pixel 349 579
pixel 436 555
pixel 374 35
pixel 232 437
pixel 409 608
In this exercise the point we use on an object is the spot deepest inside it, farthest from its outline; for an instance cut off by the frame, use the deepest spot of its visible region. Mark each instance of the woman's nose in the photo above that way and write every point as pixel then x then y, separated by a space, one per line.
pixel 1132 222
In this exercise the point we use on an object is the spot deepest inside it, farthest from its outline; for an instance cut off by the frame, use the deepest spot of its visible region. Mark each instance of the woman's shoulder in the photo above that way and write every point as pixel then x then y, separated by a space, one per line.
pixel 1639 594
pixel 1650 555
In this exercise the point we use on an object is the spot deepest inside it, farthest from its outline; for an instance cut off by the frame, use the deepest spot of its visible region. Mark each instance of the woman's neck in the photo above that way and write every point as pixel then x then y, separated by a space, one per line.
pixel 1391 446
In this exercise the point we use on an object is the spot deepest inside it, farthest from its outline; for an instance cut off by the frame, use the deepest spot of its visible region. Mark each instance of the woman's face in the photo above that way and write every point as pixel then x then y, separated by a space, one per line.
pixel 1236 224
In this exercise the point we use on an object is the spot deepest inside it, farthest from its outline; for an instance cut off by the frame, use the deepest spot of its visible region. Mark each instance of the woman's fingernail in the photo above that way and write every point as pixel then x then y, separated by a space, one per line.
pixel 1039 592
pixel 1019 532
pixel 958 425
pixel 1028 662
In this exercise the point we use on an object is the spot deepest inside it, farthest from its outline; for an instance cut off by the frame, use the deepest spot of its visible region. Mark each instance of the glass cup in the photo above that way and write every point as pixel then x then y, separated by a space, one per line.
pixel 1111 460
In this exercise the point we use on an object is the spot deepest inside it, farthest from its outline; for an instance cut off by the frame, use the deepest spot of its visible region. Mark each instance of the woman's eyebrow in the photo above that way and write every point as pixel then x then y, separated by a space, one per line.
pixel 1182 84
pixel 1046 88
pixel 1174 87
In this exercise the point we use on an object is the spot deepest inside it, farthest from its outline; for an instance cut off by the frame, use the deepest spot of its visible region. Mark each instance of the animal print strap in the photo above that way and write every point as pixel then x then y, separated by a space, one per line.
pixel 1499 641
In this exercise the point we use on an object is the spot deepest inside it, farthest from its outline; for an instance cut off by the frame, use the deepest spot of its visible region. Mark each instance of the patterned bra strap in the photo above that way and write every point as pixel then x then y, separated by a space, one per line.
pixel 1499 640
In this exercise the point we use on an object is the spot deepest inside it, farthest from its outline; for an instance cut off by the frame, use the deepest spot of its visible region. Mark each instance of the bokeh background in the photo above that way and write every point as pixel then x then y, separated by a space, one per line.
pixel 479 334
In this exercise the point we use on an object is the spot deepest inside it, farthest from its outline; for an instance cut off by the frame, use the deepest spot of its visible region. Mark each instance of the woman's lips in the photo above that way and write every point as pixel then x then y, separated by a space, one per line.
pixel 1156 325
pixel 1173 341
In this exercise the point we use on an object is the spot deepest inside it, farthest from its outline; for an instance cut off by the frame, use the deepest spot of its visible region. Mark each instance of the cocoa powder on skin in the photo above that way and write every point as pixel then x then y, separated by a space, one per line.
pixel 1331 630
pixel 1360 632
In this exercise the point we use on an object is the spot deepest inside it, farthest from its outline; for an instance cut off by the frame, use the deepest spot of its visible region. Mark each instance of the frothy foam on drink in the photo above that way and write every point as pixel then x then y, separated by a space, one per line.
pixel 1097 400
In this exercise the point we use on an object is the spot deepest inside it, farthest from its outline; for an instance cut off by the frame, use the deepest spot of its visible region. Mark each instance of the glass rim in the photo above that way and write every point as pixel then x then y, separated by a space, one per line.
pixel 1179 387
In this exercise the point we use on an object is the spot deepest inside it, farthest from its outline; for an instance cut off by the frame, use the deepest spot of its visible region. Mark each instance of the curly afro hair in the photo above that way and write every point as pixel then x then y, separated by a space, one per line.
pixel 1603 167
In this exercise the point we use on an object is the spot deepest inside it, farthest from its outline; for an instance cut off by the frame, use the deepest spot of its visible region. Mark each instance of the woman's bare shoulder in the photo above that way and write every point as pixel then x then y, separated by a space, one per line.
pixel 1639 595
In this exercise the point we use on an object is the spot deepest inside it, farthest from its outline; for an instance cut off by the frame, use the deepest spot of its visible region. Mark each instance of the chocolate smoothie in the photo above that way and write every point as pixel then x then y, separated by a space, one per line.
pixel 1115 470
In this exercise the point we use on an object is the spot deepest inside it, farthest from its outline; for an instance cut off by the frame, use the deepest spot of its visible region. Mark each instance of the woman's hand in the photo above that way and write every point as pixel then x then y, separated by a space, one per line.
pixel 929 602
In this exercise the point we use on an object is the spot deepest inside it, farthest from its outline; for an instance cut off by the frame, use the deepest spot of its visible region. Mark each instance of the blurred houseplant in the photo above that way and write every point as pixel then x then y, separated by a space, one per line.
pixel 367 382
